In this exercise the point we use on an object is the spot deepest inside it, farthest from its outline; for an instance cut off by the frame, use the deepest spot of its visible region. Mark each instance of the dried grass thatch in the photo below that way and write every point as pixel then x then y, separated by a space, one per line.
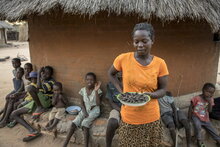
pixel 5 25
pixel 166 10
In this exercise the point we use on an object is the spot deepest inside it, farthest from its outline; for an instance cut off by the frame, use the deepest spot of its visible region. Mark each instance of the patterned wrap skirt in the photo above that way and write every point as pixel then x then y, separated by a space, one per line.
pixel 144 135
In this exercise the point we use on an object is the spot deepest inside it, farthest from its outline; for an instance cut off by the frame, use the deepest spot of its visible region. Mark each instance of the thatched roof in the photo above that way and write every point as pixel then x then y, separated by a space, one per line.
pixel 166 10
pixel 5 25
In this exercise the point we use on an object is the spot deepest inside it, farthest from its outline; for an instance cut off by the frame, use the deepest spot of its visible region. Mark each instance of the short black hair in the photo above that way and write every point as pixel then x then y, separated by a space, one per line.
pixel 20 69
pixel 91 74
pixel 144 26
pixel 16 60
pixel 58 84
pixel 168 93
pixel 29 64
pixel 49 68
pixel 208 85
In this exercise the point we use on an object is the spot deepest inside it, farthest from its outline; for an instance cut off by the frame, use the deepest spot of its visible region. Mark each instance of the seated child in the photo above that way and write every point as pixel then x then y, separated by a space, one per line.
pixel 90 102
pixel 59 102
pixel 11 97
pixel 199 110
pixel 27 98
pixel 114 116
pixel 16 63
pixel 42 95
pixel 172 117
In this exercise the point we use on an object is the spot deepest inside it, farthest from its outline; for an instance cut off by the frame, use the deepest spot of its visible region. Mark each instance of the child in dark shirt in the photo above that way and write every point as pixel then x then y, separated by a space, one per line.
pixel 59 102
pixel 11 97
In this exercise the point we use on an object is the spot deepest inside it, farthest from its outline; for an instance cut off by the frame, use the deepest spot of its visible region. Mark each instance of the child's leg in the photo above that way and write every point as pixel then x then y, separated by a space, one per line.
pixel 113 124
pixel 187 130
pixel 2 111
pixel 86 136
pixel 70 133
pixel 5 107
pixel 197 127
pixel 58 115
pixel 76 123
pixel 171 127
pixel 168 120
pixel 8 111
pixel 33 92
pixel 212 131
pixel 51 117
pixel 184 121
pixel 53 124
pixel 16 115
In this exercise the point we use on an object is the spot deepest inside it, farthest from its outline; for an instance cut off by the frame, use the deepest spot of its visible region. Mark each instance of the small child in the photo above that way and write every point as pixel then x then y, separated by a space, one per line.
pixel 16 63
pixel 90 107
pixel 33 80
pixel 42 95
pixel 11 97
pixel 172 117
pixel 59 102
pixel 199 110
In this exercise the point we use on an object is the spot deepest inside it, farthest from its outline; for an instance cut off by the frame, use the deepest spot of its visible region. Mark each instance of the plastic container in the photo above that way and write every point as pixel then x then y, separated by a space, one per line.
pixel 74 110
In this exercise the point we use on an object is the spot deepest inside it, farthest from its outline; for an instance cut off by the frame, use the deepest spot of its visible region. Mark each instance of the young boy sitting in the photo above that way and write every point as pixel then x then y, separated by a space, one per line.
pixel 11 97
pixel 199 110
pixel 172 117
pixel 59 102
pixel 27 99
pixel 16 63
pixel 42 95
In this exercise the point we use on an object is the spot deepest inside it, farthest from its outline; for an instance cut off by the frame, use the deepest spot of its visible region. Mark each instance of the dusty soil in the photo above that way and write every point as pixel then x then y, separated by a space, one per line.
pixel 13 137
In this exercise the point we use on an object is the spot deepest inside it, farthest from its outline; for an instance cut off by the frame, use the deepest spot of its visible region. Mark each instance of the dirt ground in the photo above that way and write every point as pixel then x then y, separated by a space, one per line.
pixel 13 137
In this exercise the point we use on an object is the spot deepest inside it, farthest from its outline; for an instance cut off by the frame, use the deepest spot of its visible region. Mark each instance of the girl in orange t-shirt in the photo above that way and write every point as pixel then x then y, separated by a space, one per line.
pixel 145 73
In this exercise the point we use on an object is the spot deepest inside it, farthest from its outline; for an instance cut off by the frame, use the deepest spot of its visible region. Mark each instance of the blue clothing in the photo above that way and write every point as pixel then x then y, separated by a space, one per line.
pixel 18 85
pixel 111 94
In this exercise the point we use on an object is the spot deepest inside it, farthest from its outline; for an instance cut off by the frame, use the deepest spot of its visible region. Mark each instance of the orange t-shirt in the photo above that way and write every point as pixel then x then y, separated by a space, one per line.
pixel 139 78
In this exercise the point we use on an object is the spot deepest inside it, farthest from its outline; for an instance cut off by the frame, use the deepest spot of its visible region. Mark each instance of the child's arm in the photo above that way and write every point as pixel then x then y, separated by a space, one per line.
pixel 211 103
pixel 190 111
pixel 64 99
pixel 54 100
pixel 175 114
pixel 39 78
pixel 114 106
pixel 97 86
pixel 84 107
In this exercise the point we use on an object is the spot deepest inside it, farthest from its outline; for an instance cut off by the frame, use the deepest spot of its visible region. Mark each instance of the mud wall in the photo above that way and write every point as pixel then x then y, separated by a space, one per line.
pixel 76 45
